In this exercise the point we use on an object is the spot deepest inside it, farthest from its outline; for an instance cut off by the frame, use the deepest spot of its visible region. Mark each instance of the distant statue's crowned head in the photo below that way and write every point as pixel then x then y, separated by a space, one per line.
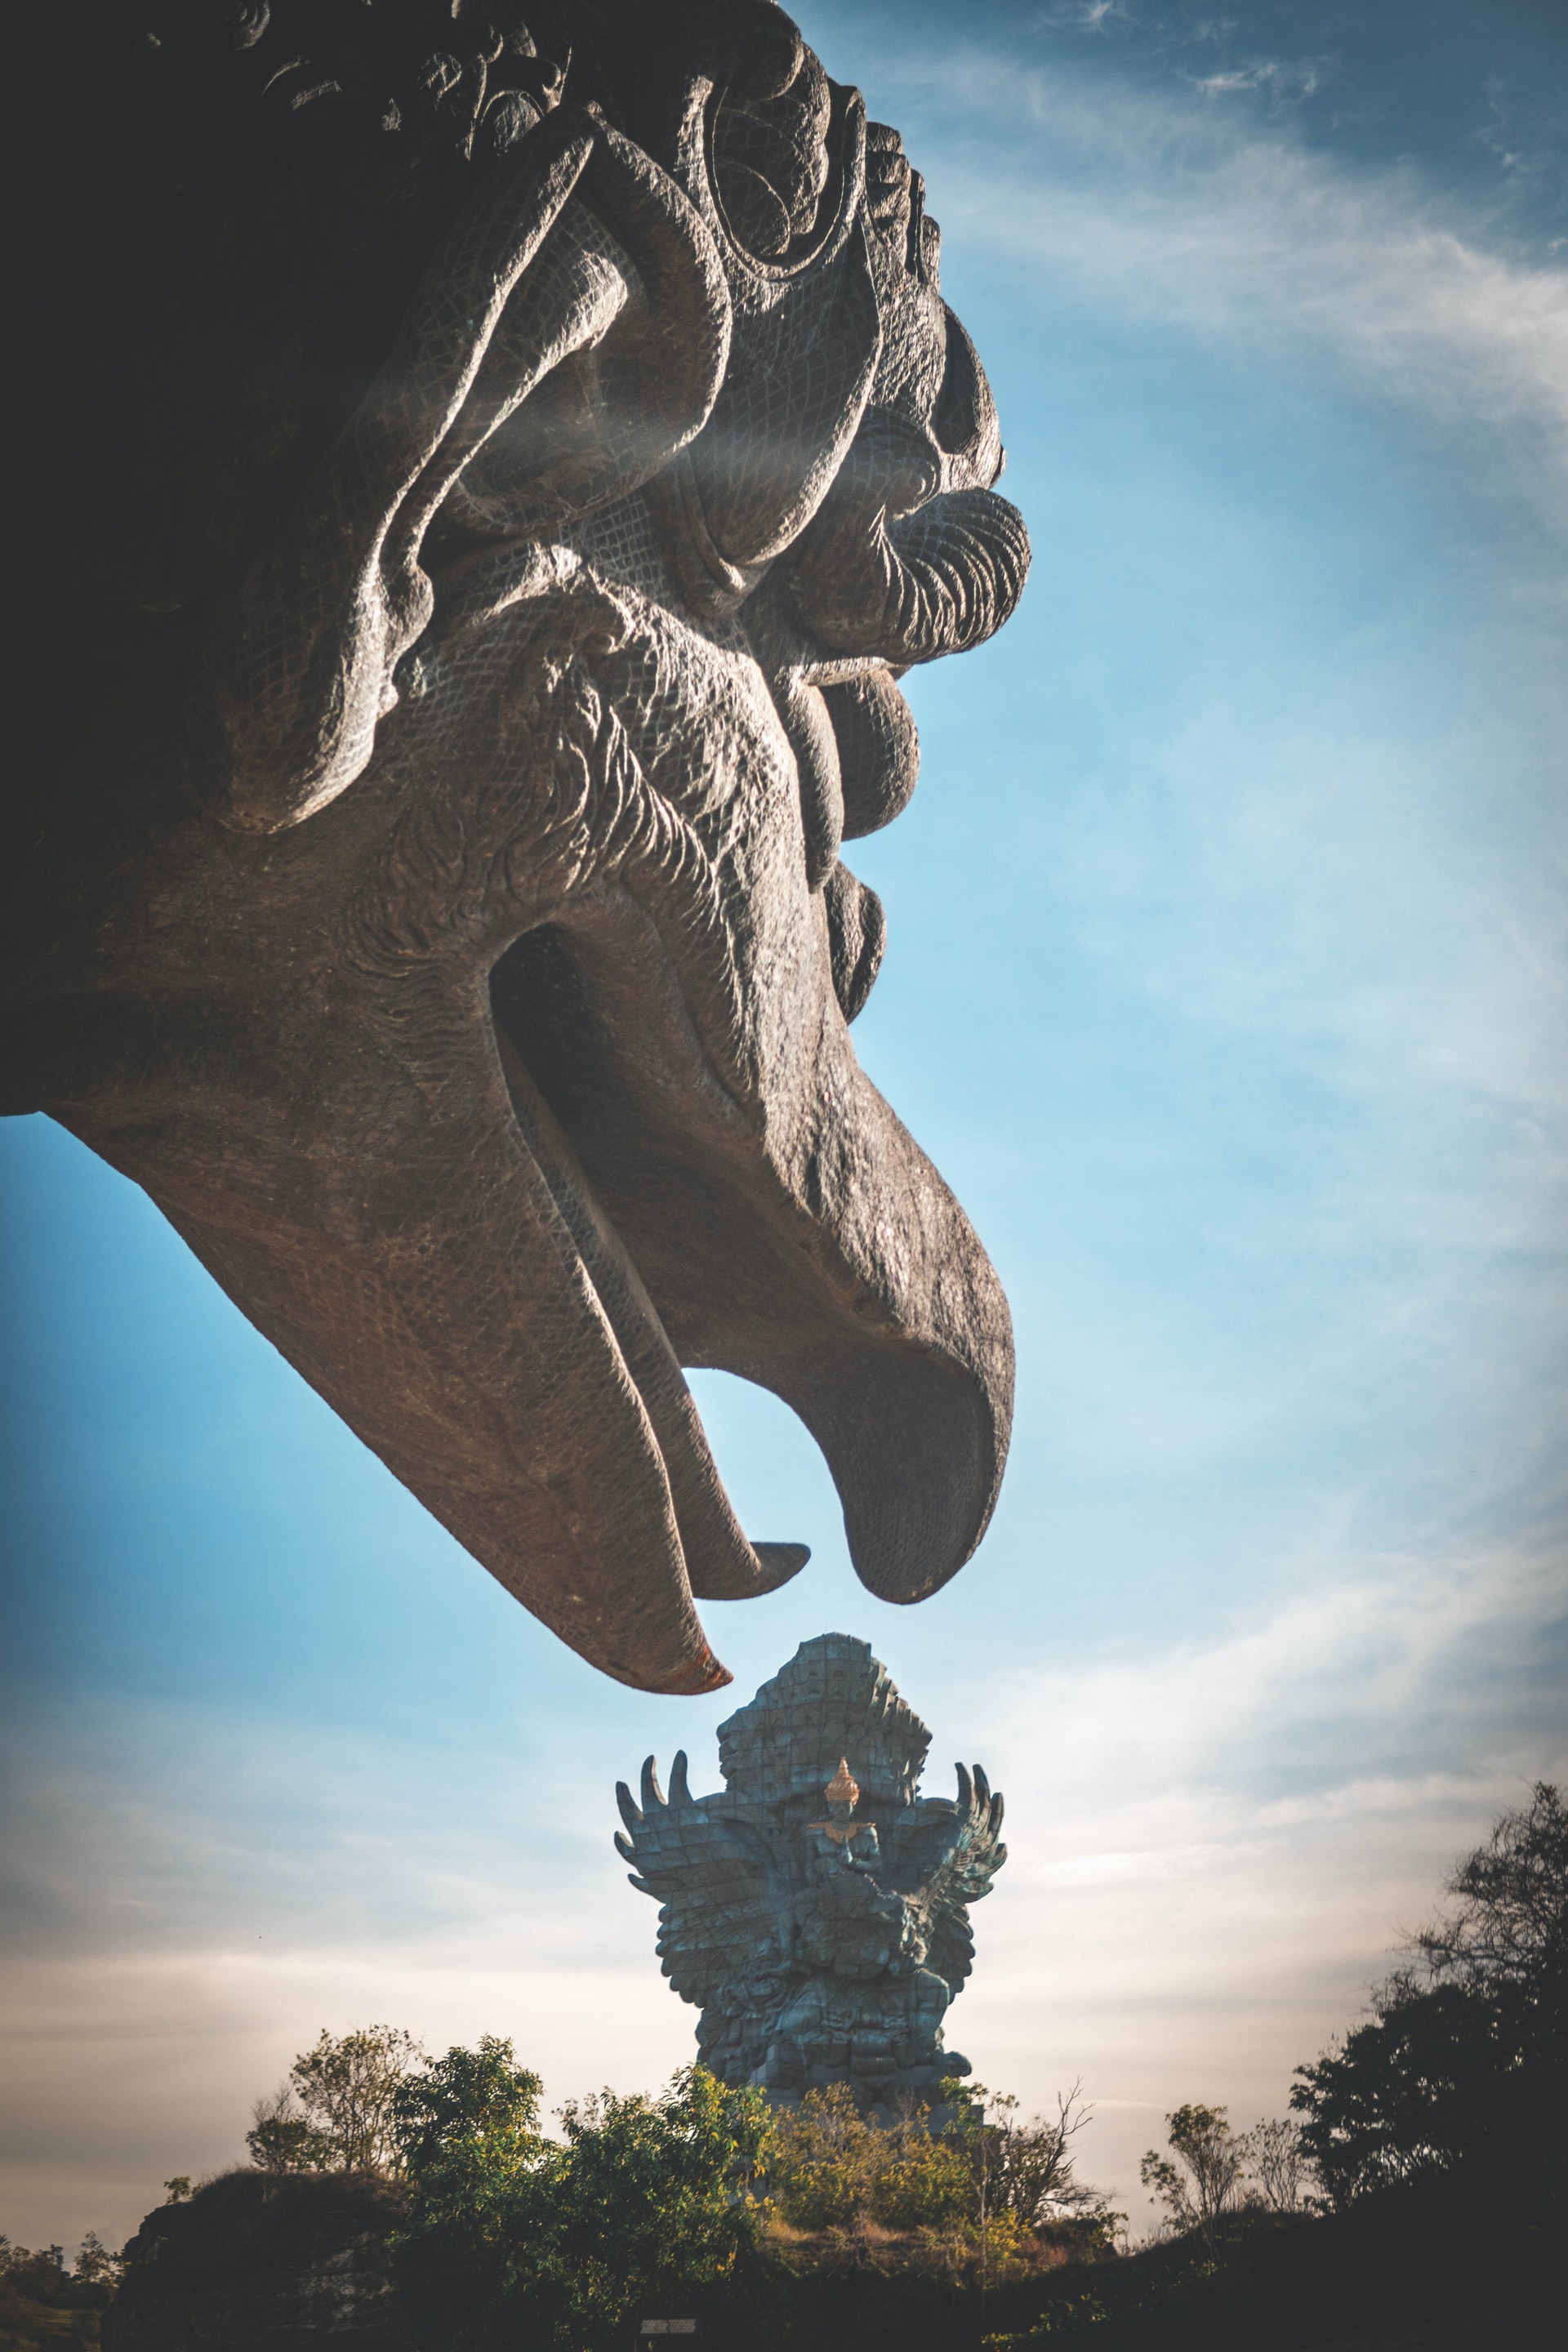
pixel 819 1952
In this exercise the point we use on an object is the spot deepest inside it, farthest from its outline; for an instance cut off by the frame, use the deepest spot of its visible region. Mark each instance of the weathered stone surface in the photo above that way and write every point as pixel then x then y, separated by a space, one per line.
pixel 815 1909
pixel 486 479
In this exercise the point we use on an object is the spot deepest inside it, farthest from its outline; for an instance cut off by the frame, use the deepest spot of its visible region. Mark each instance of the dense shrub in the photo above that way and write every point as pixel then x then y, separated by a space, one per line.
pixel 828 2168
pixel 511 2237
pixel 252 2263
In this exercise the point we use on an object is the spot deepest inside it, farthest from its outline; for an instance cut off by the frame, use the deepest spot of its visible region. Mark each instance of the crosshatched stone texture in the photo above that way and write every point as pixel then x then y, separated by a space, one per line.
pixel 817 1910
pixel 488 469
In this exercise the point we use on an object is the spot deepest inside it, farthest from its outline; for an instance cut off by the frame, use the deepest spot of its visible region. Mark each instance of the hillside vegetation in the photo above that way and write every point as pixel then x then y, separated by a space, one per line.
pixel 1415 2199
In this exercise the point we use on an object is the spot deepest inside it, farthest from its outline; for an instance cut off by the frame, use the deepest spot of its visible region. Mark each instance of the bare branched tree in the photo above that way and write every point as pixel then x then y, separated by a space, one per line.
pixel 1204 2177
pixel 1211 2170
pixel 1034 2175
pixel 1278 2166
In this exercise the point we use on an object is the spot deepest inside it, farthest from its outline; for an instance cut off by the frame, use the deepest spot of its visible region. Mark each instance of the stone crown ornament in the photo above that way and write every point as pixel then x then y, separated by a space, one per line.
pixel 486 478
pixel 818 1952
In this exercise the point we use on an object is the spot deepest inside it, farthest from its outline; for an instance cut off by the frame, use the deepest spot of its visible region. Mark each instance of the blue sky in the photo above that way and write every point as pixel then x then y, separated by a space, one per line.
pixel 1227 985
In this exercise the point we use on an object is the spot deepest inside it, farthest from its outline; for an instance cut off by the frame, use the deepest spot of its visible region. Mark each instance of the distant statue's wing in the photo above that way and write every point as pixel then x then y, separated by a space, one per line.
pixel 945 1856
pixel 710 1882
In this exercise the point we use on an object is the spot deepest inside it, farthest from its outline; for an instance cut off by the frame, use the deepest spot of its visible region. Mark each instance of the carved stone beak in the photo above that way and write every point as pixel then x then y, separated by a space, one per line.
pixel 805 1244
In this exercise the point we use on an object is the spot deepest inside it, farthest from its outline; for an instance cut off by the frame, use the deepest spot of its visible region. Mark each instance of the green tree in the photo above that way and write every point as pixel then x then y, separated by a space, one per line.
pixel 830 2169
pixel 469 2104
pixel 282 2138
pixel 94 2263
pixel 653 2200
pixel 348 2088
pixel 335 2112
pixel 821 2163
pixel 1462 2068
pixel 917 2180
pixel 481 2175
pixel 514 2238
pixel 1205 2175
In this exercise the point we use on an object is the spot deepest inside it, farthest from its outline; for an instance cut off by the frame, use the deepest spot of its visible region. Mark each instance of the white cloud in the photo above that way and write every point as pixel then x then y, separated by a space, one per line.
pixel 1083 16
pixel 1283 80
pixel 1295 866
pixel 1213 1849
pixel 1370 1652
pixel 1216 1849
pixel 1171 213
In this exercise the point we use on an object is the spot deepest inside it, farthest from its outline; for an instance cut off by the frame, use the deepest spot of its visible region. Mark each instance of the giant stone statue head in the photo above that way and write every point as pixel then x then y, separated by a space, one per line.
pixel 486 481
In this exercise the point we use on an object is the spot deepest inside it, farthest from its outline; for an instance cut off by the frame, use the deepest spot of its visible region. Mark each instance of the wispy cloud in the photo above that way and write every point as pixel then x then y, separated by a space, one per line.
pixel 1310 858
pixel 1284 81
pixel 1517 130
pixel 1168 211
pixel 1273 1692
pixel 1212 1849
pixel 1084 15
pixel 1216 1848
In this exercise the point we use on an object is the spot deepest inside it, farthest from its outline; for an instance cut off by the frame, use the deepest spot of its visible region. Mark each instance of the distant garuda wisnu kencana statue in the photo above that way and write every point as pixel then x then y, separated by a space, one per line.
pixel 482 479
pixel 817 1910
